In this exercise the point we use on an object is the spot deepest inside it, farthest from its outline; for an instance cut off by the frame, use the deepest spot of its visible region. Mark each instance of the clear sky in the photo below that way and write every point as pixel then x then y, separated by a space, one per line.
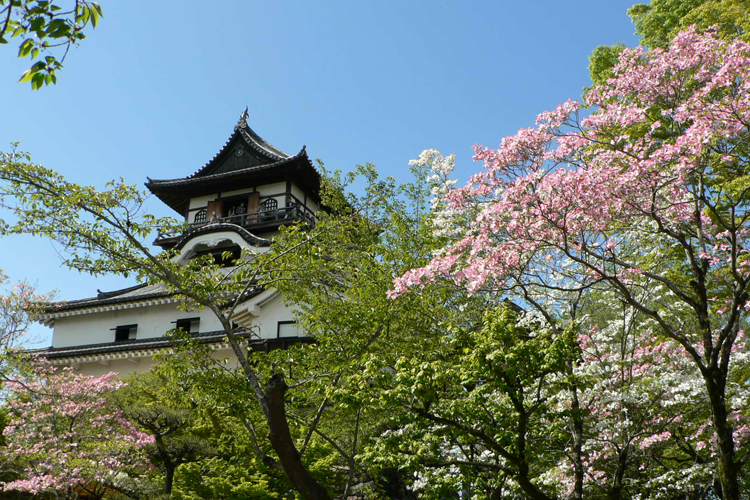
pixel 156 89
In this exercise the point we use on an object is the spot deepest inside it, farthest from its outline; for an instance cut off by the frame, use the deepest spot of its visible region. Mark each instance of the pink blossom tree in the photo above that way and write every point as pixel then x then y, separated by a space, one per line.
pixel 17 304
pixel 65 436
pixel 645 197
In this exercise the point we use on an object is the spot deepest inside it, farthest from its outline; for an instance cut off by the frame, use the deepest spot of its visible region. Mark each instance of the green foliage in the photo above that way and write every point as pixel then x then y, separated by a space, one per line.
pixel 47 31
pixel 658 22
pixel 476 411
pixel 398 379
pixel 193 415
pixel 159 407
pixel 223 479
pixel 228 417
pixel 602 60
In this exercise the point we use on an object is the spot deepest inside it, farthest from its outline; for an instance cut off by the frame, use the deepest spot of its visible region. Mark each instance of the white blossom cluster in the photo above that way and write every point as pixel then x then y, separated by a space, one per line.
pixel 441 184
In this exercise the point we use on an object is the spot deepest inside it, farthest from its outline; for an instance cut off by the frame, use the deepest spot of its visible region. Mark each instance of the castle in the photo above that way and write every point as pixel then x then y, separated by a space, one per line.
pixel 236 202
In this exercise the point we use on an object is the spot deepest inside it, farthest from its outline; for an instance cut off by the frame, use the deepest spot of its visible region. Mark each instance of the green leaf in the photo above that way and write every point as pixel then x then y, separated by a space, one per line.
pixel 94 16
pixel 26 76
pixel 37 81
pixel 25 47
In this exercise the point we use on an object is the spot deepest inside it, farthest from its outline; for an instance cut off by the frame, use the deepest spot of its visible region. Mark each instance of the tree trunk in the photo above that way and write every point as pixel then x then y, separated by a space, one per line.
pixel 578 468
pixel 527 486
pixel 615 493
pixel 728 467
pixel 391 482
pixel 281 439
pixel 169 479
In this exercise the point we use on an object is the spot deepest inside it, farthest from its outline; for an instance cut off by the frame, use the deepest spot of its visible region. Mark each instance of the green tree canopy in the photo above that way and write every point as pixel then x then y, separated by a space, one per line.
pixel 46 31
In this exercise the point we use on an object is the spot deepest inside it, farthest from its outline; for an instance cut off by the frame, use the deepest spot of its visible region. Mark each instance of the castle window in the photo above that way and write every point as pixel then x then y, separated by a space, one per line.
pixel 288 329
pixel 200 216
pixel 269 205
pixel 188 325
pixel 268 210
pixel 125 332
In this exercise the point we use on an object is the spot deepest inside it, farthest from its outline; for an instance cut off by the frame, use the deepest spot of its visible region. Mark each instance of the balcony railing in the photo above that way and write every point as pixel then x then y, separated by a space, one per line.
pixel 293 213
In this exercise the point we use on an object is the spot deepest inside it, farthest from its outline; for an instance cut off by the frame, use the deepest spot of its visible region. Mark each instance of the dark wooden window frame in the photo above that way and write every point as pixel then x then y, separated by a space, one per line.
pixel 124 331
pixel 178 323
pixel 201 216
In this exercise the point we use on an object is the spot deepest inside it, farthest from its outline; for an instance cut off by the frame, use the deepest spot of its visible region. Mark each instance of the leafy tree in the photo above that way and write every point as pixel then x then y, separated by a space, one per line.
pixel 339 285
pixel 47 32
pixel 66 436
pixel 17 306
pixel 645 199
pixel 474 416
pixel 228 418
pixel 444 375
pixel 105 232
pixel 658 22
pixel 157 408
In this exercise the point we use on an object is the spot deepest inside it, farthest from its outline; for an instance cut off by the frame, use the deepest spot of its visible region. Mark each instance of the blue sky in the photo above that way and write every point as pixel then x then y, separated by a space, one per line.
pixel 156 89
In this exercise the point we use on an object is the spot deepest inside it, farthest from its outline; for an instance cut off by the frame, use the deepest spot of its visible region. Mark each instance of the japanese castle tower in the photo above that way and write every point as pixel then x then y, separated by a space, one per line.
pixel 237 201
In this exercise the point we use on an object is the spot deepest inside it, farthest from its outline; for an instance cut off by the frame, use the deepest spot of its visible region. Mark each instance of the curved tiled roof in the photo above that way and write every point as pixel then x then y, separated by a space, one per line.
pixel 195 179
pixel 128 349
pixel 133 293
pixel 245 160
pixel 252 139
pixel 128 345
pixel 246 235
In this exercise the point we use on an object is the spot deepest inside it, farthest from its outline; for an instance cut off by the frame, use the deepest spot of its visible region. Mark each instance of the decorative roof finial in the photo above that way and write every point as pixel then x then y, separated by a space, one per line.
pixel 242 122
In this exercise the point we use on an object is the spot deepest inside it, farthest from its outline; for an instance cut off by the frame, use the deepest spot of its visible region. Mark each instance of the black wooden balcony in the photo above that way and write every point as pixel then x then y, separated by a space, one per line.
pixel 255 222
pixel 264 218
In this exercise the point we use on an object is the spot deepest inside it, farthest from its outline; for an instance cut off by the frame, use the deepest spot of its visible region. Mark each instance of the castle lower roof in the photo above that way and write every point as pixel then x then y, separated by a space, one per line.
pixel 144 348
pixel 129 345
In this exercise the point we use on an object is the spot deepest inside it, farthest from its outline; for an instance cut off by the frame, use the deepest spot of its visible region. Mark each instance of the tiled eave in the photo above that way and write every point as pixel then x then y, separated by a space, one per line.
pixel 177 192
pixel 48 318
pixel 131 350
pixel 209 228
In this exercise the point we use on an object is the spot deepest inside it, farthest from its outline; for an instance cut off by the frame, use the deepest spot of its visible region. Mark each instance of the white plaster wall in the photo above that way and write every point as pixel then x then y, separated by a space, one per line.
pixel 265 190
pixel 152 321
pixel 202 201
pixel 275 188
pixel 296 191
pixel 270 314
pixel 312 205
pixel 226 194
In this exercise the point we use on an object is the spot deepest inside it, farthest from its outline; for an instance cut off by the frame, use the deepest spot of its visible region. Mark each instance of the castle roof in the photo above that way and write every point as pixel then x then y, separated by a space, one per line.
pixel 145 348
pixel 246 159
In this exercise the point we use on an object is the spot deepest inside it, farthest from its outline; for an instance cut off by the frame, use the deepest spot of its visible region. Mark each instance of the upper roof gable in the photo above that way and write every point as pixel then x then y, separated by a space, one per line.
pixel 244 149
